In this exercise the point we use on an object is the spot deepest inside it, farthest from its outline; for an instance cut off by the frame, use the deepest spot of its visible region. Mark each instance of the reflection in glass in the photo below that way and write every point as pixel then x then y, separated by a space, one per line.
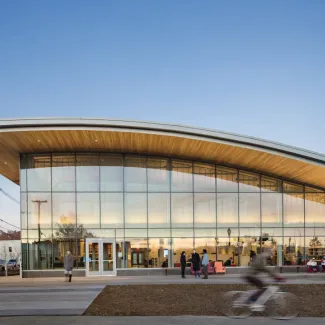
pixel 159 210
pixel 23 173
pixel 227 248
pixel 181 175
pixel 206 243
pixel 39 210
pixel 39 173
pixel 158 175
pixel 315 209
pixel 187 232
pixel 272 209
pixel 315 247
pixel 292 188
pixel 293 212
pixel 293 251
pixel 111 173
pixel 63 173
pixel 87 172
pixel 269 184
pixel 205 210
pixel 179 245
pixel 227 209
pixel 203 232
pixel 135 210
pixel 249 182
pixel 159 233
pixel 64 208
pixel 182 210
pixel 88 210
pixel 158 252
pixel 227 180
pixel 39 254
pixel 23 211
pixel 135 174
pixel 112 210
pixel 204 178
pixel 137 252
pixel 249 209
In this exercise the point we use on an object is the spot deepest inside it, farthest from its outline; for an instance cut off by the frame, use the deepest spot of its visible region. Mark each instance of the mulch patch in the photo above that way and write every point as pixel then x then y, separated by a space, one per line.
pixel 189 299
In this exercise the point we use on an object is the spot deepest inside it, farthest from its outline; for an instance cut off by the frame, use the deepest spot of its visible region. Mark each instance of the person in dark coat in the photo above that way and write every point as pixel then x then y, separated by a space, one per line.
pixel 183 264
pixel 68 266
pixel 196 263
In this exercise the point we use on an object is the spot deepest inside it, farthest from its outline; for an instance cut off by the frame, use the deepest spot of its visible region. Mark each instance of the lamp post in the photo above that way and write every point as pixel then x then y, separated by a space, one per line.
pixel 229 234
pixel 39 202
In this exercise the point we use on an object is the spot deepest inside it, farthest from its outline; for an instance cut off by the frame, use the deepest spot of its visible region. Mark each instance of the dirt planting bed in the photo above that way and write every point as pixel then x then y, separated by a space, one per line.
pixel 191 299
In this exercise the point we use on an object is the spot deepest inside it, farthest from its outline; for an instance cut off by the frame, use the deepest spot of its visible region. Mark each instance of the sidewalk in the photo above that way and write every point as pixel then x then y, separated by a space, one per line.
pixel 186 320
pixel 13 281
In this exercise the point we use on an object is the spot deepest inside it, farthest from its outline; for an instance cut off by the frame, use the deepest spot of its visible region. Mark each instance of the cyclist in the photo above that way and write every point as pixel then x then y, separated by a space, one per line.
pixel 257 267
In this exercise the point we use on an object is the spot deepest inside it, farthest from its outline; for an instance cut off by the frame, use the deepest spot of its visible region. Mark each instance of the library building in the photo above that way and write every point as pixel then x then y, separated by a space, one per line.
pixel 127 197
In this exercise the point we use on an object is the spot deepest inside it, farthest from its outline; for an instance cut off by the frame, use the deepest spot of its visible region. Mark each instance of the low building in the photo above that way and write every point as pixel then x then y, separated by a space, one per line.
pixel 125 196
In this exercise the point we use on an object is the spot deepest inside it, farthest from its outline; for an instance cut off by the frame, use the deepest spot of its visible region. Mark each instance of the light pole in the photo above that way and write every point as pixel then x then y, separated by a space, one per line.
pixel 39 202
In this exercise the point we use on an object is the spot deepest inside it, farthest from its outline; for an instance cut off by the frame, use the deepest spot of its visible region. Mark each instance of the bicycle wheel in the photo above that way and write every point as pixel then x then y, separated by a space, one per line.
pixel 233 304
pixel 283 305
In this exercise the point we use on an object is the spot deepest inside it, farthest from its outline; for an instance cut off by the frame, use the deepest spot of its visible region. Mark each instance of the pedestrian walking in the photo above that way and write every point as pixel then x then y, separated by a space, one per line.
pixel 183 264
pixel 205 263
pixel 68 266
pixel 196 265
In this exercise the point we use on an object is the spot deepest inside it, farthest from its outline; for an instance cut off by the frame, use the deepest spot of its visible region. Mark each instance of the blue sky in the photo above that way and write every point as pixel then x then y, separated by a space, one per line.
pixel 250 67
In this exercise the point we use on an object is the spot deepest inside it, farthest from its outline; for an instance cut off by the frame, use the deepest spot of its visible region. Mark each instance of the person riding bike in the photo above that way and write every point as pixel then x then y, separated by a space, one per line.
pixel 257 267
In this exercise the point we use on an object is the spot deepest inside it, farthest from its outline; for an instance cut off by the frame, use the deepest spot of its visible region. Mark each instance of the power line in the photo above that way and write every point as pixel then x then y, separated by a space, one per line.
pixel 9 196
pixel 9 224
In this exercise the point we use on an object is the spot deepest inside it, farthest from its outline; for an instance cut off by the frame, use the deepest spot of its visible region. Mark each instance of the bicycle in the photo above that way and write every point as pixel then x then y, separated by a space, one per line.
pixel 276 303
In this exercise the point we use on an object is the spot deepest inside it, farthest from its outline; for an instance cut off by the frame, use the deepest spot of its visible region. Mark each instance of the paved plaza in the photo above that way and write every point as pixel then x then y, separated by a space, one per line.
pixel 85 320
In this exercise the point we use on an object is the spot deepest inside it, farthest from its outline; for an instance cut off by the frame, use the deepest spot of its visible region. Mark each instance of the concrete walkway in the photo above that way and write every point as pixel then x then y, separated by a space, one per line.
pixel 83 320
pixel 42 300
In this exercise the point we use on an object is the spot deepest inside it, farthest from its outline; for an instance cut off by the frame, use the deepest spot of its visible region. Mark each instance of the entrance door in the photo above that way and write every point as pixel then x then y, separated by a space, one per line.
pixel 100 257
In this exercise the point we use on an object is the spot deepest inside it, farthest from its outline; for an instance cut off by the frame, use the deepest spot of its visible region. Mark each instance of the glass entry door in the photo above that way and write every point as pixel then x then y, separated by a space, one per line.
pixel 100 257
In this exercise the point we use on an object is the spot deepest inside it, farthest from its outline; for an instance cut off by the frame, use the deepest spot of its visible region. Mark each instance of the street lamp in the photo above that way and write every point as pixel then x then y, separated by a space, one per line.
pixel 229 234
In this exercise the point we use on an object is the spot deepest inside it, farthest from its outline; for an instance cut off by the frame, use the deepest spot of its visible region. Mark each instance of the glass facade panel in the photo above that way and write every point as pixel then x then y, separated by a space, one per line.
pixel 157 207
pixel 272 210
pixel 182 210
pixel 181 175
pixel 39 173
pixel 63 173
pixel 23 173
pixel 135 210
pixel 269 184
pixel 227 180
pixel 64 209
pixel 249 210
pixel 39 210
pixel 112 213
pixel 249 182
pixel 87 172
pixel 158 210
pixel 315 209
pixel 204 178
pixel 111 173
pixel 135 174
pixel 159 252
pixel 227 209
pixel 88 210
pixel 180 245
pixel 205 210
pixel 292 188
pixel 293 210
pixel 158 175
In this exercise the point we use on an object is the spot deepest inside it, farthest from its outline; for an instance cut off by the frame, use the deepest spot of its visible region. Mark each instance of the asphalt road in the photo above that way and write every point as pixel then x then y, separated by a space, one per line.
pixel 83 320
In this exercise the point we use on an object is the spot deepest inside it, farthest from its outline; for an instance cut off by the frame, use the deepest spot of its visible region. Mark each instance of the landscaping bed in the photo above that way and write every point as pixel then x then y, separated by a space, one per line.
pixel 189 299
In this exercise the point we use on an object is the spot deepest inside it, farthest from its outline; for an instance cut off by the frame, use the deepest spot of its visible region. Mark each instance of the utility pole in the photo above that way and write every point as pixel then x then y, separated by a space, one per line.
pixel 39 202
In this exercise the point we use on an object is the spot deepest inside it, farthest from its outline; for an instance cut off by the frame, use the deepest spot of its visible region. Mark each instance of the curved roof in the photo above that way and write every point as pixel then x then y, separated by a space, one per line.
pixel 171 140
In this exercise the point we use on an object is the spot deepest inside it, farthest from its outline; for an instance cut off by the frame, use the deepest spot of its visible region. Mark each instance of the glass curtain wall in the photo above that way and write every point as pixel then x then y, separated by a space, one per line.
pixel 155 208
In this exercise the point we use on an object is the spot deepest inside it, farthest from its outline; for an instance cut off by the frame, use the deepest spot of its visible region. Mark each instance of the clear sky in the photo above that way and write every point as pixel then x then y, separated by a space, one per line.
pixel 250 67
